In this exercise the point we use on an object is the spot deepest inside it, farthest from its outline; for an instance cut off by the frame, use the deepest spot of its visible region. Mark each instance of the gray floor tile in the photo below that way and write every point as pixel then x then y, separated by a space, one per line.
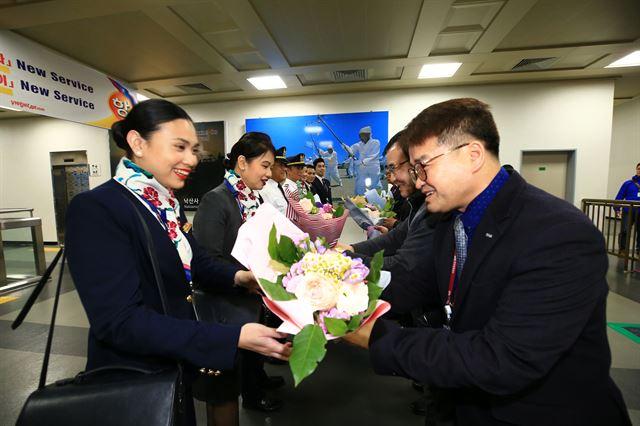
pixel 19 375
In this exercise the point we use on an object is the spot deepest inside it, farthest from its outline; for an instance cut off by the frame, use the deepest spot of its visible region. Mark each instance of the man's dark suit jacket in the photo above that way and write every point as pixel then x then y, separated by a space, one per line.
pixel 322 187
pixel 108 259
pixel 216 223
pixel 404 246
pixel 528 342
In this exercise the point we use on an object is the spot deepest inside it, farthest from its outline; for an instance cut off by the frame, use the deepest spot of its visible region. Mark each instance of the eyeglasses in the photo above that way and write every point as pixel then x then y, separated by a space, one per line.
pixel 393 168
pixel 419 171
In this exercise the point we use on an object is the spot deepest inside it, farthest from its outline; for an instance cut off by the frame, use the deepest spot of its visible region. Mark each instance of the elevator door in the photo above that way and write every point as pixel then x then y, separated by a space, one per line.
pixel 68 181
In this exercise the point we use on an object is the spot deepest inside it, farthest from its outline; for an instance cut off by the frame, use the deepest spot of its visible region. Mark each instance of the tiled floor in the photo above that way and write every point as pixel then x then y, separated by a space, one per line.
pixel 343 391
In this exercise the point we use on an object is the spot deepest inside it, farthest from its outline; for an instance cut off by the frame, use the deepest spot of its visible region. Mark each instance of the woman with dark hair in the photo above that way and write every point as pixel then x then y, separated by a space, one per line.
pixel 106 250
pixel 220 214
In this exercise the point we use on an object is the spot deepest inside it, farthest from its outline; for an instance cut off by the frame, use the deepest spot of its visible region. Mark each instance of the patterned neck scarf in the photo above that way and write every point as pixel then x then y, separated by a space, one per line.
pixel 161 202
pixel 247 199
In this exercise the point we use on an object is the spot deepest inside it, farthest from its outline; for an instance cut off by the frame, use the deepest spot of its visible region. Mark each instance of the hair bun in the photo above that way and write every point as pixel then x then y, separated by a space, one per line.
pixel 119 134
pixel 226 163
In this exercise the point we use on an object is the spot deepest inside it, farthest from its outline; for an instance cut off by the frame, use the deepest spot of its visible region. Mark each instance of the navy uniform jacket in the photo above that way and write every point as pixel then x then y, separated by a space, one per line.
pixel 108 260
pixel 529 343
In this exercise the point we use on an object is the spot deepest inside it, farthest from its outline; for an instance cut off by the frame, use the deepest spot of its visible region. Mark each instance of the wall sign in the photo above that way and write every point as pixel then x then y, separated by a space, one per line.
pixel 38 80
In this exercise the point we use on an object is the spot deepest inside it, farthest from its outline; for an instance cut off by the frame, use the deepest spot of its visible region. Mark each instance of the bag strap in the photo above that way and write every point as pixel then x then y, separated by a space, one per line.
pixel 32 298
pixel 152 256
pixel 160 285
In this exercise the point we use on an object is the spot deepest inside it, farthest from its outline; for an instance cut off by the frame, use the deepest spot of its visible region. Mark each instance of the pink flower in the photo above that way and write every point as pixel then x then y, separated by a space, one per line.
pixel 327 208
pixel 171 230
pixel 319 292
pixel 151 195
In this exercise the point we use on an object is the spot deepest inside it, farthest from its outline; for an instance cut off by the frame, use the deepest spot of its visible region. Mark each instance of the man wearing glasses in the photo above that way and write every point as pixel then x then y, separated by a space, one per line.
pixel 520 275
pixel 405 244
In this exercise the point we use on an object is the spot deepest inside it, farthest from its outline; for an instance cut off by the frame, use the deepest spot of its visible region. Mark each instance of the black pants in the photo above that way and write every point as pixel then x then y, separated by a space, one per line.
pixel 630 219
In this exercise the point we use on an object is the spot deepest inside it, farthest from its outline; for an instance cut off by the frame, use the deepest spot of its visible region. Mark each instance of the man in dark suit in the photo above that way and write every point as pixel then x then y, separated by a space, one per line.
pixel 521 277
pixel 320 185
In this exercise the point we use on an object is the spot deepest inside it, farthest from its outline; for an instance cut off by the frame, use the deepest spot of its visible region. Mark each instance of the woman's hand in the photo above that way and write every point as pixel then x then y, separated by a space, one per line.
pixel 247 280
pixel 261 339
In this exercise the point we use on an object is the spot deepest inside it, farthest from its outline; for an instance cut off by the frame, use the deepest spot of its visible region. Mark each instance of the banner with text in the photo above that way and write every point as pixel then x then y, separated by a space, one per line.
pixel 38 80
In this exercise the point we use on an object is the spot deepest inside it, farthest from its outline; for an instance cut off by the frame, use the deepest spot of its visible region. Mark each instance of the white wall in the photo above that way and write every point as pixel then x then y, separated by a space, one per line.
pixel 571 115
pixel 25 165
pixel 625 144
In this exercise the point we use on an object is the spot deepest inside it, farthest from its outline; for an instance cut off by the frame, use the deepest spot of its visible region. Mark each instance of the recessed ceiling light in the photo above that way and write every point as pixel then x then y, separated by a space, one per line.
pixel 10 109
pixel 631 60
pixel 267 82
pixel 439 70
pixel 140 97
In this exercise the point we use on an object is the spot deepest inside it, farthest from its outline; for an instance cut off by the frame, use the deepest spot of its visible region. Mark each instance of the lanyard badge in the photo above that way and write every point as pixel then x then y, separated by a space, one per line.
pixel 448 305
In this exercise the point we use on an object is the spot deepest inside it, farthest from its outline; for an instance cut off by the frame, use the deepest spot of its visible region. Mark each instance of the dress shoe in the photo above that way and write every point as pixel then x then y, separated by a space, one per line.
pixel 272 382
pixel 266 404
pixel 419 407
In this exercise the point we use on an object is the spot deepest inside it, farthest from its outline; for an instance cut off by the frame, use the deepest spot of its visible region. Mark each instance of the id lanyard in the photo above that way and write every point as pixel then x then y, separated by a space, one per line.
pixel 448 305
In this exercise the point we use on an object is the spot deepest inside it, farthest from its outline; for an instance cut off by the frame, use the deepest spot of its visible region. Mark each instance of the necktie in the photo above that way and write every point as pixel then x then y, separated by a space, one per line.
pixel 283 194
pixel 461 244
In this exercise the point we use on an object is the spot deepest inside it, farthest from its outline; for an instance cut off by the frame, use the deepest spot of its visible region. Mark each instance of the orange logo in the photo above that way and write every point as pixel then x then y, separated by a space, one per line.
pixel 119 104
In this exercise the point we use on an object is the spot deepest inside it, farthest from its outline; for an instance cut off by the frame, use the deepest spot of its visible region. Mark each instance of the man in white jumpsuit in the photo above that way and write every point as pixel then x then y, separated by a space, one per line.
pixel 367 161
pixel 330 158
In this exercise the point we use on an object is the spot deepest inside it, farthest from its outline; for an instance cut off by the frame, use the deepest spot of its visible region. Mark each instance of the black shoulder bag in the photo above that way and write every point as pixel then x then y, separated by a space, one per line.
pixel 111 395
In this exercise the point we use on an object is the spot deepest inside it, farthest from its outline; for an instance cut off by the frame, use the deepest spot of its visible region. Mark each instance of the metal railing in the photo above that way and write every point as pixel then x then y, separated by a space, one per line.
pixel 619 222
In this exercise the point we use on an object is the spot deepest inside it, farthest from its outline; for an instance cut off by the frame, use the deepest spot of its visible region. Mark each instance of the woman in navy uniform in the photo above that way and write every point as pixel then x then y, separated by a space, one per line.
pixel 106 249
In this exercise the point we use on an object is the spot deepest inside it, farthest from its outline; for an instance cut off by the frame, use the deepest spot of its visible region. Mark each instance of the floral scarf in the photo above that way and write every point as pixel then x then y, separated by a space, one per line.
pixel 247 199
pixel 161 202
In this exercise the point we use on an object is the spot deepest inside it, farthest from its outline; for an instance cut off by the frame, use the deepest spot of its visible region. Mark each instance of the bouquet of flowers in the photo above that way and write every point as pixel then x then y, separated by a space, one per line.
pixel 317 219
pixel 319 293
pixel 369 209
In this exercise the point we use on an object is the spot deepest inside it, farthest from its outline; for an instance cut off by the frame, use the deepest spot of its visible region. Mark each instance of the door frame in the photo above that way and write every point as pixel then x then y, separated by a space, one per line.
pixel 570 183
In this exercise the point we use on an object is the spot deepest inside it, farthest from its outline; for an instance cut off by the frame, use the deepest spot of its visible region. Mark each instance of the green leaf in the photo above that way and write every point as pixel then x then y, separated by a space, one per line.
pixel 371 307
pixel 276 291
pixel 335 326
pixel 376 267
pixel 339 211
pixel 273 244
pixel 308 351
pixel 287 251
pixel 355 322
pixel 374 276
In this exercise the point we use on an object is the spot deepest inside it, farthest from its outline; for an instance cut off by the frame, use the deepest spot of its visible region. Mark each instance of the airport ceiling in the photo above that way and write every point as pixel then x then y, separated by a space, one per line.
pixel 193 51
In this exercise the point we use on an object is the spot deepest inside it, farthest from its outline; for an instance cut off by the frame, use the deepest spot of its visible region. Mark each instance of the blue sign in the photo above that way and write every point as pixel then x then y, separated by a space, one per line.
pixel 302 134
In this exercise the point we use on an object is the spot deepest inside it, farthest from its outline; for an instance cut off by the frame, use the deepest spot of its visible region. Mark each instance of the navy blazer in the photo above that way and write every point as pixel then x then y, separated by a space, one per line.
pixel 528 342
pixel 108 259
pixel 216 223
pixel 322 187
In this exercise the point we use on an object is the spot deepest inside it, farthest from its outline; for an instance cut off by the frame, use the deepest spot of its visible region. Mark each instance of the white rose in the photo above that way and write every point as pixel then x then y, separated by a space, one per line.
pixel 319 292
pixel 374 214
pixel 353 298
pixel 327 215
pixel 306 205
